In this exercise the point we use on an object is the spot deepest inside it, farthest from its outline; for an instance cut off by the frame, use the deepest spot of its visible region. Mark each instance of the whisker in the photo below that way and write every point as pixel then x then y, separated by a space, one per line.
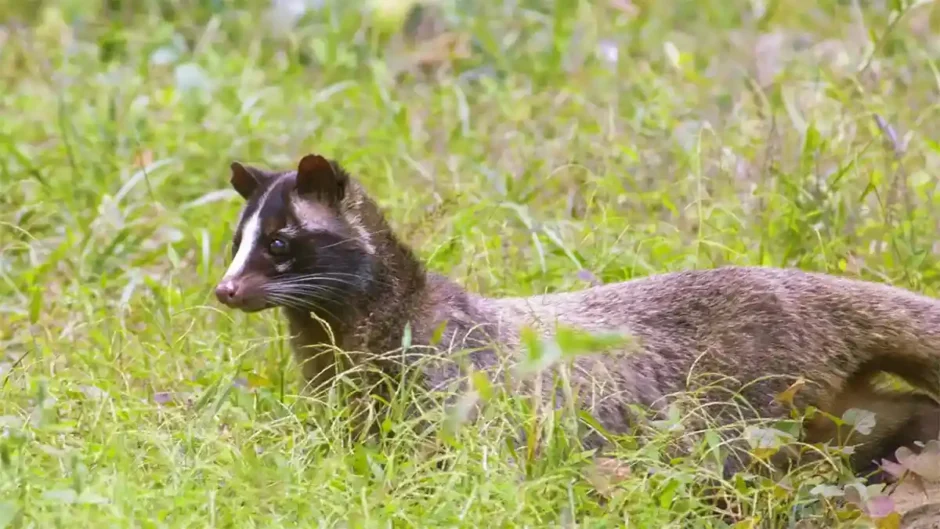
pixel 327 282
pixel 299 286
pixel 300 290
pixel 312 296
pixel 302 286
pixel 319 294
pixel 318 282
pixel 294 281
pixel 300 304
pixel 321 278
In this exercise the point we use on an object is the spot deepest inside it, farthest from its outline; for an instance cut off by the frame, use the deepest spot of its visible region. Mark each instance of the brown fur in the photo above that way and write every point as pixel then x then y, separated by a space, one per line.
pixel 748 323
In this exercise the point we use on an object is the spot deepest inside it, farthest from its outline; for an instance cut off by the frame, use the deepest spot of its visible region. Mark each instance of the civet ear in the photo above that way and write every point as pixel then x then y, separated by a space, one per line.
pixel 320 178
pixel 246 179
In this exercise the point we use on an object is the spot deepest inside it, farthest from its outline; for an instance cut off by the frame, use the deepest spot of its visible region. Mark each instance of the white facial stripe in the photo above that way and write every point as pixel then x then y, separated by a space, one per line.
pixel 250 235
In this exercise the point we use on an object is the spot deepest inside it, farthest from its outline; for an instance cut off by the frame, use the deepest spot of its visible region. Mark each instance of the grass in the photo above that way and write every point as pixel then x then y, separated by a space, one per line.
pixel 724 132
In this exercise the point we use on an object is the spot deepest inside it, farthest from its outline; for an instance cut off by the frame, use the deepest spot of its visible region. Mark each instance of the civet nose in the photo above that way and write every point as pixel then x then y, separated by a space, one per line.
pixel 227 292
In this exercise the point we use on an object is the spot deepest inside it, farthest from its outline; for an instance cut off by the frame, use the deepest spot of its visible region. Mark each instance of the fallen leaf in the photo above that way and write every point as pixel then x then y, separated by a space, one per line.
pixel 613 467
pixel 926 464
pixel 606 473
pixel 786 396
pixel 856 494
pixel 863 420
pixel 892 469
pixel 880 506
pixel 891 521
pixel 441 50
pixel 765 442
pixel 828 491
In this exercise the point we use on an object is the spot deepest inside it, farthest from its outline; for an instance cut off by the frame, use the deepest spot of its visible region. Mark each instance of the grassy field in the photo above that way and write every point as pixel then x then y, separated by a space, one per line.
pixel 534 147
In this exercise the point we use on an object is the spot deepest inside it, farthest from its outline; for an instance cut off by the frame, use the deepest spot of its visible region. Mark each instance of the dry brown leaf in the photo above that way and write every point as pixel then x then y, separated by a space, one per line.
pixel 606 473
pixel 441 49
pixel 143 158
pixel 926 464
pixel 786 396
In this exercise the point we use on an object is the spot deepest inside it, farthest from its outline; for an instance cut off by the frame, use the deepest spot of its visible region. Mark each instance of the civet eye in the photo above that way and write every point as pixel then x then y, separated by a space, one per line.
pixel 278 246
